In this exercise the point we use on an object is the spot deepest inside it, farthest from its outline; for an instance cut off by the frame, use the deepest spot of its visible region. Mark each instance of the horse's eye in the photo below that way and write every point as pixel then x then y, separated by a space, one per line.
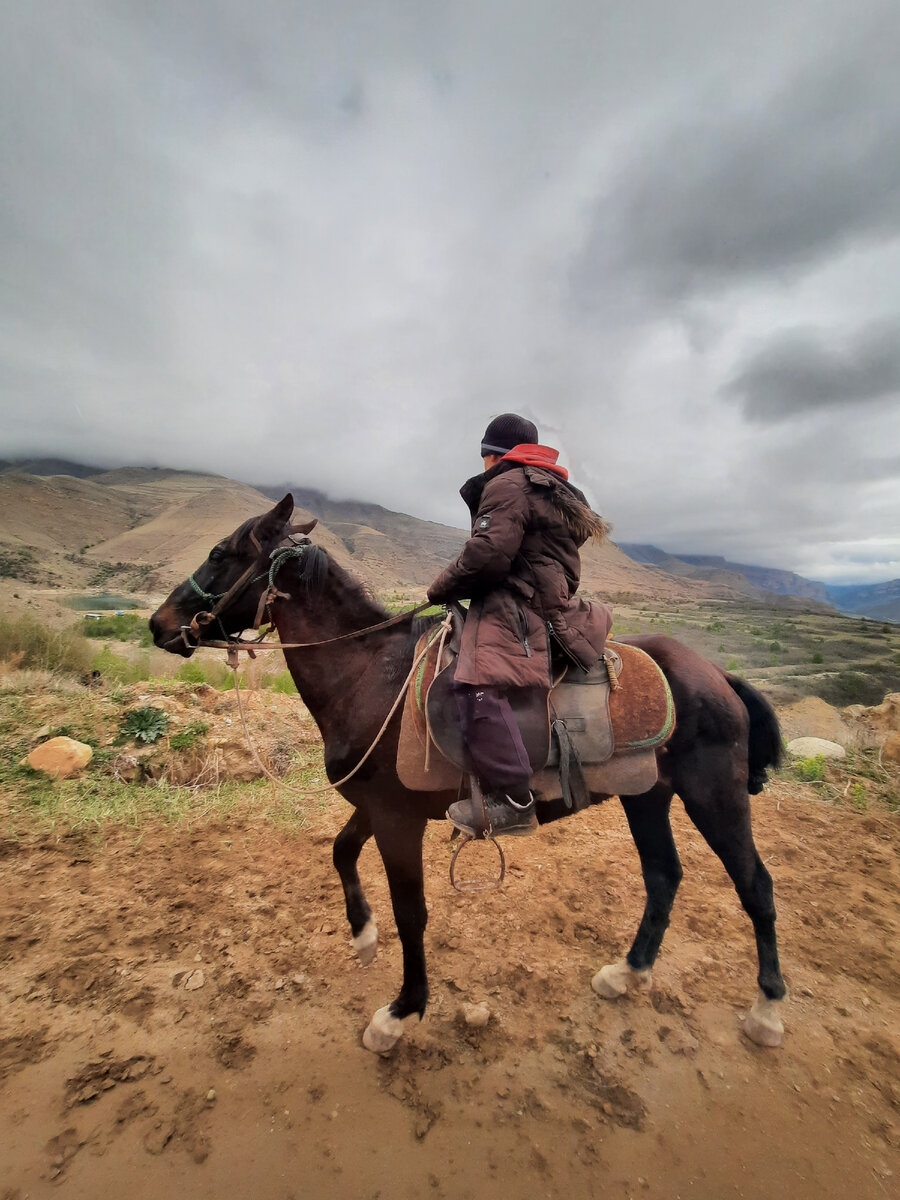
pixel 216 554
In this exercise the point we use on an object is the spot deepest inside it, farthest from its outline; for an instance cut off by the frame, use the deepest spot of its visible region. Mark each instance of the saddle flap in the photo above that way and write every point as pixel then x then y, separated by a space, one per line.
pixel 529 706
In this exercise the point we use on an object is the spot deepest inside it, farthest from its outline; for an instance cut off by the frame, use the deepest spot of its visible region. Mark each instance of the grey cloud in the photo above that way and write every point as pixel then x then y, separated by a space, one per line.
pixel 328 243
pixel 803 372
pixel 727 187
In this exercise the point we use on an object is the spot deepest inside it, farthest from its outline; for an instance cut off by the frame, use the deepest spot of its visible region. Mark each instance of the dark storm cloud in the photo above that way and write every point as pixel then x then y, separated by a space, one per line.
pixel 802 372
pixel 804 167
pixel 326 243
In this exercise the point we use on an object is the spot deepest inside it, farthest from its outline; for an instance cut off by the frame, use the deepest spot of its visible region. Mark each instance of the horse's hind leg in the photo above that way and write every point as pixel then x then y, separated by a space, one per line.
pixel 345 854
pixel 718 804
pixel 648 820
pixel 398 836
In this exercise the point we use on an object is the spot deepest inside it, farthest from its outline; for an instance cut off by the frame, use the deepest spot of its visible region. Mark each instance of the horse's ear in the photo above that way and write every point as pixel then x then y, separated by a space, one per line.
pixel 276 518
pixel 305 528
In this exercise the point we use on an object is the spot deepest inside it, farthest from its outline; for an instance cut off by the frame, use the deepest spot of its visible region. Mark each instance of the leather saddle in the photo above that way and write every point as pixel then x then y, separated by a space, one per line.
pixel 593 733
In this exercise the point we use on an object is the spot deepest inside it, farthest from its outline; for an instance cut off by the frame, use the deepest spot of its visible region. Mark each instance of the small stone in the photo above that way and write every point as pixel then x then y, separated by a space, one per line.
pixel 61 757
pixel 194 980
pixel 211 1096
pixel 476 1015
pixel 279 984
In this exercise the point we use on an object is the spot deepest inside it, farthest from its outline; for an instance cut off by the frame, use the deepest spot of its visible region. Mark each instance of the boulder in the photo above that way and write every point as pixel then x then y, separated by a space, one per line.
pixel 61 757
pixel 813 747
pixel 814 717
pixel 871 726
pixel 890 752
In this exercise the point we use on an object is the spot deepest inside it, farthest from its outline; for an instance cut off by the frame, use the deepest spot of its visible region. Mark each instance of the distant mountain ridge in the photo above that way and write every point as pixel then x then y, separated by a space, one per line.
pixel 880 601
pixel 147 527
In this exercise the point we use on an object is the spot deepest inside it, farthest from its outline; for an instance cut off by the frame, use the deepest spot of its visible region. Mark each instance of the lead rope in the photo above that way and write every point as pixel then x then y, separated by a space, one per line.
pixel 233 663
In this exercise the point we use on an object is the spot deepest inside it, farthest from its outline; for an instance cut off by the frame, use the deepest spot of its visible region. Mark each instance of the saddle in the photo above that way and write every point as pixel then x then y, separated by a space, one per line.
pixel 592 733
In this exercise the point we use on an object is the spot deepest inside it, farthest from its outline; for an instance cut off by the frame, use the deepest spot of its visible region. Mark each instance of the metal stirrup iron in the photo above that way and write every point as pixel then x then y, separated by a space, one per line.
pixel 485 834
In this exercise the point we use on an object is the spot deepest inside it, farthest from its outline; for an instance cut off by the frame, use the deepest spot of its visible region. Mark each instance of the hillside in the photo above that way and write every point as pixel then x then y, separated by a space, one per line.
pixel 880 601
pixel 141 530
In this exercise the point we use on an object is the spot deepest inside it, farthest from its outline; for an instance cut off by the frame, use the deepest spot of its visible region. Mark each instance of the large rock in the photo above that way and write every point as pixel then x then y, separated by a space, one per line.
pixel 814 717
pixel 61 757
pixel 891 750
pixel 871 726
pixel 813 747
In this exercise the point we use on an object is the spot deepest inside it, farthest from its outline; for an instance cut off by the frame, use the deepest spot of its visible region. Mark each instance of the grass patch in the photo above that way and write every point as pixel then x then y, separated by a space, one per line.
pixel 26 643
pixel 187 737
pixel 122 627
pixel 115 668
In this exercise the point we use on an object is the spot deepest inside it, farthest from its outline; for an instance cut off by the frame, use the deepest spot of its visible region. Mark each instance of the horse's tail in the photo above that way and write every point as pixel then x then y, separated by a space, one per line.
pixel 765 745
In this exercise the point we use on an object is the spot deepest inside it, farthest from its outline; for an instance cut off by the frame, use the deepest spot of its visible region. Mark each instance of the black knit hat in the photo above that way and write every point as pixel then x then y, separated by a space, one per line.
pixel 506 431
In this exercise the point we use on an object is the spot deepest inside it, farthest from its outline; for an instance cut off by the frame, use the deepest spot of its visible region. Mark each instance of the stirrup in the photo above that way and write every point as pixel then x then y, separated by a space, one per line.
pixel 476 885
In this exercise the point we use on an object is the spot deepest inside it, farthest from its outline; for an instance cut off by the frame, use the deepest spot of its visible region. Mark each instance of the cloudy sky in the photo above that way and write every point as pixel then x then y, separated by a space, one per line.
pixel 326 243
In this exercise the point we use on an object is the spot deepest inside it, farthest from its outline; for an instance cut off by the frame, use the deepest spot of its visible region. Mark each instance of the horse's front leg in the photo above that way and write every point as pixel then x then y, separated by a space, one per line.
pixel 345 854
pixel 398 836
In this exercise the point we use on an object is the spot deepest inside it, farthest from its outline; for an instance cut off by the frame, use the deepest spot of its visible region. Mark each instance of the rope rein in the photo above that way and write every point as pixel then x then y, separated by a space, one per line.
pixel 278 558
pixel 440 630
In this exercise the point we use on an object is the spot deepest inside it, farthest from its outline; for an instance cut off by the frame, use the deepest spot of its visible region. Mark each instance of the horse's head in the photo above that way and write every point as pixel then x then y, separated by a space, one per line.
pixel 223 596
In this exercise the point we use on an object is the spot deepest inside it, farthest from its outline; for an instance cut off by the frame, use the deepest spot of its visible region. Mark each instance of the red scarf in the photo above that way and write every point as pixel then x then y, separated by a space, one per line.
pixel 532 455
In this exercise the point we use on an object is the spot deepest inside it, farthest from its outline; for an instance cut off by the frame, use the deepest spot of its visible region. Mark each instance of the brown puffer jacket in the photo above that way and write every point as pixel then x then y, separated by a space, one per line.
pixel 521 569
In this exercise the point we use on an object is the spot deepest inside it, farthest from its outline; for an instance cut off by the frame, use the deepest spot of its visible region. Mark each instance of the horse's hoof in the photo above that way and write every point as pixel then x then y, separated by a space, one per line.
pixel 762 1024
pixel 366 943
pixel 613 981
pixel 383 1032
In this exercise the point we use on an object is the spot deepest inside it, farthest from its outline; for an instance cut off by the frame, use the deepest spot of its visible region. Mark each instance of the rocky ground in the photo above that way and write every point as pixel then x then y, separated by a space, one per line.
pixel 182 1015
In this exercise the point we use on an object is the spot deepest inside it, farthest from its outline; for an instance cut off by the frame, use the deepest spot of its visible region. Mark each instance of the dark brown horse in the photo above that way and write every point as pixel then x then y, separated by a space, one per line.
pixel 725 738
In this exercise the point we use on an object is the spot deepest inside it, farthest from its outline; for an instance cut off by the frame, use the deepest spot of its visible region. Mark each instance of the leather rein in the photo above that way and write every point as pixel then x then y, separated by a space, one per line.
pixel 296 548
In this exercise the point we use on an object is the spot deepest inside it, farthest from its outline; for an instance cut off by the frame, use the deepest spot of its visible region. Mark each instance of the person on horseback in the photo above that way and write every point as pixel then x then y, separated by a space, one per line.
pixel 520 570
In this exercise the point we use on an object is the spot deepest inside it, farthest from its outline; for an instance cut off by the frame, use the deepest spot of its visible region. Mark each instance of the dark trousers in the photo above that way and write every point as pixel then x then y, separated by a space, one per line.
pixel 493 740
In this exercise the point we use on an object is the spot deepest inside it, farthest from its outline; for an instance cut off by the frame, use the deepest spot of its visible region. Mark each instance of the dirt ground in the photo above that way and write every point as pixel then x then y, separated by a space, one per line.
pixel 182 1016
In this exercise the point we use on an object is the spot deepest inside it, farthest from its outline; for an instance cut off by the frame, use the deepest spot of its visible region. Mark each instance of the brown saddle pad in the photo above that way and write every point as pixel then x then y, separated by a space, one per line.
pixel 603 721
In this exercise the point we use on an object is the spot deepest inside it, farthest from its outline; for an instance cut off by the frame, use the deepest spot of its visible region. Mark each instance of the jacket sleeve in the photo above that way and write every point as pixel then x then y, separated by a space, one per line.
pixel 487 556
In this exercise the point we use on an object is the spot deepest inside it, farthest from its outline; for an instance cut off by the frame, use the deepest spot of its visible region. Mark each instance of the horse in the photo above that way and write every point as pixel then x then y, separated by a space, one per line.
pixel 348 671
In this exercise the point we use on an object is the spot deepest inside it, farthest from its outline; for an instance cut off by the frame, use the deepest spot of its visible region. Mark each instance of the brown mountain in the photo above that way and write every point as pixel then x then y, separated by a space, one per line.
pixel 141 530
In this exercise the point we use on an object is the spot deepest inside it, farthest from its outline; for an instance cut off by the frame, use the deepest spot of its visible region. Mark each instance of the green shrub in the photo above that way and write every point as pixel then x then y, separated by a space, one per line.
pixel 27 643
pixel 733 664
pixel 817 658
pixel 147 724
pixel 282 682
pixel 191 672
pixel 118 669
pixel 19 562
pixel 810 770
pixel 124 627
pixel 185 738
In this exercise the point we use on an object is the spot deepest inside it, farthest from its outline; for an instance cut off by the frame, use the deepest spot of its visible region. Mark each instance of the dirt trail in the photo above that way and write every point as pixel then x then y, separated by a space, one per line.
pixel 182 1015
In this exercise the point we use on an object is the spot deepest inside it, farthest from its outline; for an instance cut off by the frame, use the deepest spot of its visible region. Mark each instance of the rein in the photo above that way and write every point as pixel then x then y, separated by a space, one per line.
pixel 232 662
pixel 278 557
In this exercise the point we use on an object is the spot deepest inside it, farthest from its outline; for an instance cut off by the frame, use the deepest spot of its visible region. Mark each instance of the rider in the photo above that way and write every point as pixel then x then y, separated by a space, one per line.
pixel 520 569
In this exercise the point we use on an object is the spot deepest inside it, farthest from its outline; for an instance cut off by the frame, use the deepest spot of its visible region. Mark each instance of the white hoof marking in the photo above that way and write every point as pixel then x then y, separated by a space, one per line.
pixel 383 1032
pixel 366 943
pixel 762 1024
pixel 613 981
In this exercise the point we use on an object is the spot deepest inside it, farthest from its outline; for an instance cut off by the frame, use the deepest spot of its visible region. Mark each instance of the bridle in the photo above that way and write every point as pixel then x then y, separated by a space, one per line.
pixel 295 547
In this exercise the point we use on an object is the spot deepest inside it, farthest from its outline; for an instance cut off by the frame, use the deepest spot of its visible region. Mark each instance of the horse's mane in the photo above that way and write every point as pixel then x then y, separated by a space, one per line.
pixel 315 566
